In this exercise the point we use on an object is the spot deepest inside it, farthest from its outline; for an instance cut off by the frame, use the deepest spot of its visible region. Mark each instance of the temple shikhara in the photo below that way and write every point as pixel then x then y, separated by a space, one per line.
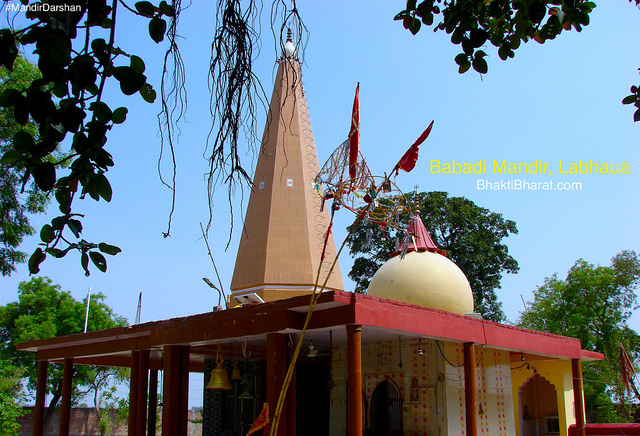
pixel 408 358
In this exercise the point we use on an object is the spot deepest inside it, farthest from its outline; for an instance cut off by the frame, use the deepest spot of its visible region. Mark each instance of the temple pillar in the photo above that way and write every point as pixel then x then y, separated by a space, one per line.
pixel 41 392
pixel 576 373
pixel 133 392
pixel 65 407
pixel 142 387
pixel 175 390
pixel 470 400
pixel 277 357
pixel 354 379
pixel 153 402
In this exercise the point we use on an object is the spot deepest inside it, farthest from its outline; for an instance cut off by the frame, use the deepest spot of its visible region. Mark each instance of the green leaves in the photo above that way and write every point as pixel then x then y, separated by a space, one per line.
pixel 145 8
pixel 8 49
pixel 67 97
pixel 98 260
pixel 130 80
pixel 479 63
pixel 35 260
pixel 505 24
pixel 111 250
pixel 157 25
pixel 147 93
pixel 634 99
pixel 157 29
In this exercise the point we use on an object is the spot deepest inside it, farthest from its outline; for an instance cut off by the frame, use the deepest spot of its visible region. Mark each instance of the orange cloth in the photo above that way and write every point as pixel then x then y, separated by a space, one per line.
pixel 262 421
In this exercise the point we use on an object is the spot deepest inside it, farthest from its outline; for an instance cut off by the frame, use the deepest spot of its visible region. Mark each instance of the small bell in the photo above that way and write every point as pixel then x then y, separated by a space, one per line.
pixel 219 377
pixel 235 372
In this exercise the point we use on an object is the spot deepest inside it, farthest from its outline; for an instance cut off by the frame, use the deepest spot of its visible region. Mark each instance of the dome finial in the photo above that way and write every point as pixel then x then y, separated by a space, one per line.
pixel 289 48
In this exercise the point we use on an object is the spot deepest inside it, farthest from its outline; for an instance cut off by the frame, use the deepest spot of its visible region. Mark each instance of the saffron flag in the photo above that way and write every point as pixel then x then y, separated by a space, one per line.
pixel 410 157
pixel 626 367
pixel 354 134
pixel 262 421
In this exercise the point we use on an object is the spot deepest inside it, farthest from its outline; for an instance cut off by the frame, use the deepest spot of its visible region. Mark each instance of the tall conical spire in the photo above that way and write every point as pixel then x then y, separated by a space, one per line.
pixel 284 229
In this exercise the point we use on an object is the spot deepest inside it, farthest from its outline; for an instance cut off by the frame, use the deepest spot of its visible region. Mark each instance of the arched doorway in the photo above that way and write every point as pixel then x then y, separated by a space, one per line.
pixel 538 408
pixel 385 410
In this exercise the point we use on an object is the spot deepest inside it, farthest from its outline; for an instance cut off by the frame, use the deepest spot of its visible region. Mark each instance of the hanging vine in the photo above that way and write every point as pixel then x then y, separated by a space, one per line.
pixel 173 98
pixel 235 94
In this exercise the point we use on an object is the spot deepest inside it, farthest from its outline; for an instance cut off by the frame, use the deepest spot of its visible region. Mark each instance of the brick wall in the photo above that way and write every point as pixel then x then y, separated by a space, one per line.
pixel 84 422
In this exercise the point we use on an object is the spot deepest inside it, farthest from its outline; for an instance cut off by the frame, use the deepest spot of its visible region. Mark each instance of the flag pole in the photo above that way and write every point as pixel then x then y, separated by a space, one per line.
pixel 86 315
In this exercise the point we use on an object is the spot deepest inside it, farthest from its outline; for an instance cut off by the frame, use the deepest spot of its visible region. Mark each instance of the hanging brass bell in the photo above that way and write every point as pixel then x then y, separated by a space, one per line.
pixel 235 372
pixel 219 377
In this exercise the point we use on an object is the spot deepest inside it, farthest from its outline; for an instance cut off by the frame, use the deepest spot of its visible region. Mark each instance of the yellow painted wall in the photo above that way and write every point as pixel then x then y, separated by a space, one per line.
pixel 558 373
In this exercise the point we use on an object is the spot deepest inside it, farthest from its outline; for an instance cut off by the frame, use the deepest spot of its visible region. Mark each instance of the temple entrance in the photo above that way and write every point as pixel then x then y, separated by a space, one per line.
pixel 312 398
pixel 538 408
pixel 385 411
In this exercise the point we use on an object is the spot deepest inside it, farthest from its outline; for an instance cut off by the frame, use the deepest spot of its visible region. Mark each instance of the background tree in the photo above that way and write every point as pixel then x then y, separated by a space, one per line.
pixel 505 24
pixel 593 304
pixel 10 396
pixel 18 199
pixel 44 311
pixel 471 235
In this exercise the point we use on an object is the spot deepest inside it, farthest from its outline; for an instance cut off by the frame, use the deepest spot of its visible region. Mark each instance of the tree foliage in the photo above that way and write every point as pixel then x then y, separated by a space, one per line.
pixel 593 304
pixel 505 24
pixel 77 54
pixel 44 311
pixel 10 395
pixel 471 235
pixel 17 198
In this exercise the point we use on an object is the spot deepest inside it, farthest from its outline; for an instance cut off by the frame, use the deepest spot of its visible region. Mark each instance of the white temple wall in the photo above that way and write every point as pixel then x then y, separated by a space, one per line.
pixel 495 414
pixel 420 381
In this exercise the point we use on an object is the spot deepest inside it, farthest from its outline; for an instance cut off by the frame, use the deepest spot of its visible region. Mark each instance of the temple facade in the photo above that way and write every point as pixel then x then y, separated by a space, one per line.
pixel 409 358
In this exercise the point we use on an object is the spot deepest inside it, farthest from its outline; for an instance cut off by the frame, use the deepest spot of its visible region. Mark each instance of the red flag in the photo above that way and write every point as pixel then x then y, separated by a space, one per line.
pixel 354 134
pixel 626 367
pixel 262 421
pixel 410 157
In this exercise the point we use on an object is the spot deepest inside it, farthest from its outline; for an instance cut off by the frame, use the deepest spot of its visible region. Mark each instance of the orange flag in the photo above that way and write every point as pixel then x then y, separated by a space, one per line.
pixel 410 157
pixel 262 421
pixel 626 367
pixel 354 134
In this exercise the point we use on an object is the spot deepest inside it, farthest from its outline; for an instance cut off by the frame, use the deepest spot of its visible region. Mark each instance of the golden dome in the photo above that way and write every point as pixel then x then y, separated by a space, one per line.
pixel 424 278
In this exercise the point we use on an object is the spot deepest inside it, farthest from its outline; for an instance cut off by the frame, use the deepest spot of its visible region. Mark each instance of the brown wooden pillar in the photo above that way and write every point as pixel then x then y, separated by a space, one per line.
pixel 175 390
pixel 133 392
pixel 65 407
pixel 153 402
pixel 277 352
pixel 576 372
pixel 41 392
pixel 471 403
pixel 354 378
pixel 141 405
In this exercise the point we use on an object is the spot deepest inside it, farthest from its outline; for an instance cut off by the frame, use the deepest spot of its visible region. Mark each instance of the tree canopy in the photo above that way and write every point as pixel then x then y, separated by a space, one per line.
pixel 594 303
pixel 505 24
pixel 10 396
pixel 44 311
pixel 472 237
pixel 18 199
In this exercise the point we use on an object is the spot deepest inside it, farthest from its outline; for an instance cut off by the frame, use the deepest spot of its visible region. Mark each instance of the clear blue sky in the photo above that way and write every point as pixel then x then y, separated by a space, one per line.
pixel 558 101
